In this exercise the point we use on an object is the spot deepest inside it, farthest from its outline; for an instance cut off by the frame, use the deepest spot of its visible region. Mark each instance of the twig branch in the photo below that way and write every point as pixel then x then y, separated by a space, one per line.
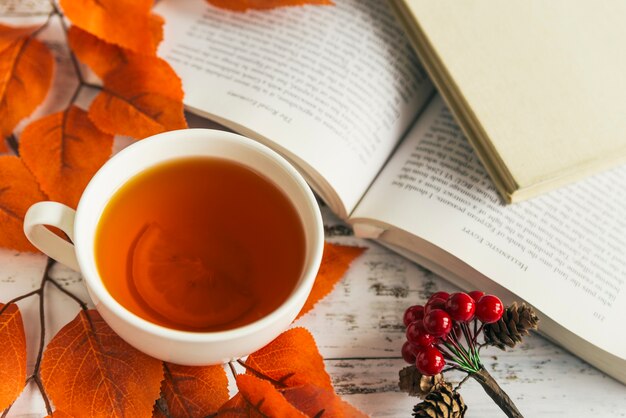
pixel 12 141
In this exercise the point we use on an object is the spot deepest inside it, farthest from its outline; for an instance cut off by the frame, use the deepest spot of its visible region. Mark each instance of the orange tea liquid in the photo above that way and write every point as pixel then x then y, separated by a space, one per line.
pixel 200 244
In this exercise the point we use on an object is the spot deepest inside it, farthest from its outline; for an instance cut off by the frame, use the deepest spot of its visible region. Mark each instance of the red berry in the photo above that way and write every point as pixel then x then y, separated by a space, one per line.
pixel 437 322
pixel 461 307
pixel 489 309
pixel 409 352
pixel 436 303
pixel 476 295
pixel 429 361
pixel 439 295
pixel 417 335
pixel 412 314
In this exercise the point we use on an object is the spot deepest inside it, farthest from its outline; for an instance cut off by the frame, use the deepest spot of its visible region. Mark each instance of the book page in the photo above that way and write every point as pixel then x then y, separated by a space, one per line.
pixel 562 252
pixel 334 86
pixel 537 85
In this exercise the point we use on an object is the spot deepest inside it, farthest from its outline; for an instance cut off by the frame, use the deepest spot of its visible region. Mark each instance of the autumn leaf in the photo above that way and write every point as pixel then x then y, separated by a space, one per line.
pixel 12 355
pixel 101 56
pixel 193 391
pixel 258 398
pixel 59 414
pixel 64 150
pixel 26 67
pixel 9 34
pixel 243 5
pixel 89 371
pixel 141 97
pixel 335 262
pixel 18 191
pixel 291 359
pixel 127 23
pixel 312 400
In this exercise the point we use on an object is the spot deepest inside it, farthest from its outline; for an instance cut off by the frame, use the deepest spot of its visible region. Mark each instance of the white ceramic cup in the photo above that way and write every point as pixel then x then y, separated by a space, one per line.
pixel 181 347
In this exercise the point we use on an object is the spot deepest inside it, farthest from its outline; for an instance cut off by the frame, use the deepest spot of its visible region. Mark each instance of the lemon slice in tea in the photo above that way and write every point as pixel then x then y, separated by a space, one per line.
pixel 185 287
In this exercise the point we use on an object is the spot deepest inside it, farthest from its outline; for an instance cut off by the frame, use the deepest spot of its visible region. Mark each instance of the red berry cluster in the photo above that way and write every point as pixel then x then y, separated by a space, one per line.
pixel 434 331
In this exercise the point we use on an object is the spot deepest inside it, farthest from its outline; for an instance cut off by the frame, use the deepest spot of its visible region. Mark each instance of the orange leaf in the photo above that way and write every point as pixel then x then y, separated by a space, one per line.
pixel 126 23
pixel 291 359
pixel 89 371
pixel 140 98
pixel 9 34
pixel 234 408
pixel 18 191
pixel 64 150
pixel 261 399
pixel 99 55
pixel 335 263
pixel 25 76
pixel 59 414
pixel 243 5
pixel 102 56
pixel 312 400
pixel 194 391
pixel 12 355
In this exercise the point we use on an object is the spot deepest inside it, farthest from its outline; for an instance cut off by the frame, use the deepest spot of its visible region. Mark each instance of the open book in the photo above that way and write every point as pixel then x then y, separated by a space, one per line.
pixel 338 91
pixel 537 86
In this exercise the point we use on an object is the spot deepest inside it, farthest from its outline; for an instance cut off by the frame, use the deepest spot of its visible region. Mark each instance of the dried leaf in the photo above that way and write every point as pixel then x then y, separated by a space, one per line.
pixel 25 75
pixel 234 408
pixel 89 371
pixel 140 98
pixel 18 191
pixel 315 401
pixel 291 359
pixel 59 414
pixel 126 23
pixel 64 150
pixel 12 355
pixel 243 5
pixel 261 399
pixel 194 391
pixel 101 56
pixel 9 34
pixel 335 262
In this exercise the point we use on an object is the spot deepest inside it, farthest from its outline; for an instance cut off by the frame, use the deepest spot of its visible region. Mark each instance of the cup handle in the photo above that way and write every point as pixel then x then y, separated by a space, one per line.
pixel 57 215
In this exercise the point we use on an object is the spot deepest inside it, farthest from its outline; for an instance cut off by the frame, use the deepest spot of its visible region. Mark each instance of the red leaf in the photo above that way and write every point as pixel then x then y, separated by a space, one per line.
pixel 89 371
pixel 291 359
pixel 18 191
pixel 64 150
pixel 25 75
pixel 12 355
pixel 335 262
pixel 193 391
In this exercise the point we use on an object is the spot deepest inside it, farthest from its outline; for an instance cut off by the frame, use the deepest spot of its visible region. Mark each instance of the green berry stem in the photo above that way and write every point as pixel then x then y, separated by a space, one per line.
pixel 460 349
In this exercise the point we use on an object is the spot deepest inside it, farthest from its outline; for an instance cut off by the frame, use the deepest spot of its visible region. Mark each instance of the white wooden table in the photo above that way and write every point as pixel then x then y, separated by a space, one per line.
pixel 359 331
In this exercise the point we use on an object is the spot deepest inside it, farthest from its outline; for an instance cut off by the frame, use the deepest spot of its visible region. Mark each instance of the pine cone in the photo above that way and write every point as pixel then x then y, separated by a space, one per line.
pixel 515 323
pixel 442 402
pixel 417 384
